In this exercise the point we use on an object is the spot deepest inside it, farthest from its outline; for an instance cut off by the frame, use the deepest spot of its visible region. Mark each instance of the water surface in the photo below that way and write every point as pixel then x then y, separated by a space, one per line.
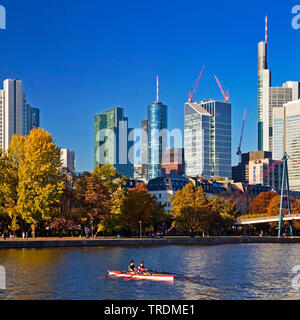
pixel 238 271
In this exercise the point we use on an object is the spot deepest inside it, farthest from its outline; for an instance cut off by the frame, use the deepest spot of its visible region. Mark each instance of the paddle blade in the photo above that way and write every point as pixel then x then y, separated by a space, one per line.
pixel 102 277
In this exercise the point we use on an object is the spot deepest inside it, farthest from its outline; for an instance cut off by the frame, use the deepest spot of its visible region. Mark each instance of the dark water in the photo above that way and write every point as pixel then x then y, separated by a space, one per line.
pixel 244 271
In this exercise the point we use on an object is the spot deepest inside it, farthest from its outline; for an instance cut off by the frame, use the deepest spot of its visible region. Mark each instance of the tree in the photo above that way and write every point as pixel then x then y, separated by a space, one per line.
pixel 40 186
pixel 191 210
pixel 138 205
pixel 226 213
pixel 261 203
pixel 93 200
pixel 16 149
pixel 274 207
pixel 8 193
pixel 66 216
pixel 115 185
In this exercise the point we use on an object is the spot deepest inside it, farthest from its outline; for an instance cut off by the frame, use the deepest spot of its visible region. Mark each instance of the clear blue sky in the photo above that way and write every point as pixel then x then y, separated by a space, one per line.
pixel 78 58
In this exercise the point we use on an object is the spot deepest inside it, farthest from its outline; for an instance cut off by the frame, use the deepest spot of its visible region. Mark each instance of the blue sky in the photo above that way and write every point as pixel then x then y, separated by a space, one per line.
pixel 78 58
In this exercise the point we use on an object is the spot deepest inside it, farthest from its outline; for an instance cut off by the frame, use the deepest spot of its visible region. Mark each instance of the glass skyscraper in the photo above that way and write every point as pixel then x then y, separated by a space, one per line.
pixel 207 139
pixel 157 121
pixel 111 144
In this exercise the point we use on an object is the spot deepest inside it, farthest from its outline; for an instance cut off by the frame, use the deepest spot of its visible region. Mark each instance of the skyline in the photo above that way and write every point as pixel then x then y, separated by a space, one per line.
pixel 106 62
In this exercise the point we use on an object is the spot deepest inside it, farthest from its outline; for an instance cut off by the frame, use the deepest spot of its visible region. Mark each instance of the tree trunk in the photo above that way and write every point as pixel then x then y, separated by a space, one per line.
pixel 33 227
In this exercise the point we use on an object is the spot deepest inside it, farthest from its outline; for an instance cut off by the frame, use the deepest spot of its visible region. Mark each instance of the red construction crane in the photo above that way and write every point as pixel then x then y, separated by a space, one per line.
pixel 239 151
pixel 226 96
pixel 192 95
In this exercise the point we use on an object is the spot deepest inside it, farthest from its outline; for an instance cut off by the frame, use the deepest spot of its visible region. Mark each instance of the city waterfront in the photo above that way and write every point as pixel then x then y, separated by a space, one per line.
pixel 224 272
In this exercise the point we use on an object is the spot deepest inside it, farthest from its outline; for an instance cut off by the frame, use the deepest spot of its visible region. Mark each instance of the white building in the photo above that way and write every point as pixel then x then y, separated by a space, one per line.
pixel 287 138
pixel 14 112
pixel 68 159
pixel 269 98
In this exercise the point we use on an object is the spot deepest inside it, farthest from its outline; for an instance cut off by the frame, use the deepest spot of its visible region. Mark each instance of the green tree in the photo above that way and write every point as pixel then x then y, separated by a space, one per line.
pixel 191 210
pixel 226 213
pixel 40 186
pixel 115 185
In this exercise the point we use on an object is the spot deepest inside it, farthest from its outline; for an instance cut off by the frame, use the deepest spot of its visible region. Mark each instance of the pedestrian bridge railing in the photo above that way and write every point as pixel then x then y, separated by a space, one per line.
pixel 265 219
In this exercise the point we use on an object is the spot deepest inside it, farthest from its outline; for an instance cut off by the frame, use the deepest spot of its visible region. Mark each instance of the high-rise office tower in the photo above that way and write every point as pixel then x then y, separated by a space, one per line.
pixel 15 113
pixel 287 138
pixel 157 122
pixel 144 149
pixel 207 139
pixel 31 118
pixel 68 159
pixel 270 97
pixel 111 143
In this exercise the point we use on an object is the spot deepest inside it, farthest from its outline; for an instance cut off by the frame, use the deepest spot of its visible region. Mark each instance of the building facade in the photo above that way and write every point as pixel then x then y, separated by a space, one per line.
pixel 173 161
pixel 15 114
pixel 157 123
pixel 207 139
pixel 144 150
pixel 270 97
pixel 287 138
pixel 258 168
pixel 165 186
pixel 68 160
pixel 111 141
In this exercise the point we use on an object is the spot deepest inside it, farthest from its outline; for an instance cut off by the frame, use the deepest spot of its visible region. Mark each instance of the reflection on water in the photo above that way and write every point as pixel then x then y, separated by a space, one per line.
pixel 241 271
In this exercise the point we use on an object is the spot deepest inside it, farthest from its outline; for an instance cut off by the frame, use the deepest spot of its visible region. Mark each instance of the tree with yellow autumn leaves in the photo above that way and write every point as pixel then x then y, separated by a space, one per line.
pixel 193 212
pixel 39 187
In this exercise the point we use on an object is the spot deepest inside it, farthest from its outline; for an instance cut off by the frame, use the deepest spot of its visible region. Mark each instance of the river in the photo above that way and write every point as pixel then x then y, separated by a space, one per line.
pixel 238 271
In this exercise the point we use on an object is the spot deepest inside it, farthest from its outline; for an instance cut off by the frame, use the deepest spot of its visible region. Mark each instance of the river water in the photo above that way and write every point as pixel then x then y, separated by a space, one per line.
pixel 239 271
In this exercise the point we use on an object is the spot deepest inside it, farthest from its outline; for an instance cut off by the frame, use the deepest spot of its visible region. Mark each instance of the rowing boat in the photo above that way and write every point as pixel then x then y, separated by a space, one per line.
pixel 155 277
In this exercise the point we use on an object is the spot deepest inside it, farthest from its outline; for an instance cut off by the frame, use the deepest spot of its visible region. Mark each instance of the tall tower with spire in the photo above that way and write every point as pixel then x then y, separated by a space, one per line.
pixel 157 122
pixel 264 82
pixel 270 99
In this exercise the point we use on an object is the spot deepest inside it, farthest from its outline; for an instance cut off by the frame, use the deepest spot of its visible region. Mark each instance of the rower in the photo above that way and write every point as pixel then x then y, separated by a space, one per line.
pixel 131 267
pixel 142 269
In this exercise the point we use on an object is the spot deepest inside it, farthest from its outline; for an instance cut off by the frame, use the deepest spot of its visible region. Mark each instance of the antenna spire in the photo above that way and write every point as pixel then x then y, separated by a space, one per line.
pixel 157 89
pixel 266 30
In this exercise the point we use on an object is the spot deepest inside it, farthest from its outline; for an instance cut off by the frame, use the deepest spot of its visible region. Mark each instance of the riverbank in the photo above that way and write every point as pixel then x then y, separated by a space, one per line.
pixel 79 242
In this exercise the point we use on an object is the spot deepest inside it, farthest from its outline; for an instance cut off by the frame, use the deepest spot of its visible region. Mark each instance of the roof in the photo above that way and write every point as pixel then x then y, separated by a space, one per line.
pixel 198 108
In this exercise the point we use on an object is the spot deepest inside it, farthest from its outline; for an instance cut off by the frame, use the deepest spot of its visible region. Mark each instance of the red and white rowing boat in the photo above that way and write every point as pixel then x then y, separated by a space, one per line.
pixel 155 277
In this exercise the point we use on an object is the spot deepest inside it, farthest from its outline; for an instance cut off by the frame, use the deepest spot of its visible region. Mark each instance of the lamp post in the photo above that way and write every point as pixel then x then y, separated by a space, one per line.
pixel 140 222
pixel 92 228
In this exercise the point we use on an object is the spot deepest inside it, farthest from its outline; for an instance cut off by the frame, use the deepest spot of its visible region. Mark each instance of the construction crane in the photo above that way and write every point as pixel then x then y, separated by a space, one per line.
pixel 239 151
pixel 226 96
pixel 192 95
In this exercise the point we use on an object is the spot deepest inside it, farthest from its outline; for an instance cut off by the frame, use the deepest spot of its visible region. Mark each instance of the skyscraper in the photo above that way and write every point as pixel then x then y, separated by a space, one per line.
pixel 270 97
pixel 157 122
pixel 31 118
pixel 145 149
pixel 15 113
pixel 111 143
pixel 287 138
pixel 68 159
pixel 207 139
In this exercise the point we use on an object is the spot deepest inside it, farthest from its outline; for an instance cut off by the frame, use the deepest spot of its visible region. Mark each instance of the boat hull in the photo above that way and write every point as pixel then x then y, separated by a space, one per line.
pixel 153 277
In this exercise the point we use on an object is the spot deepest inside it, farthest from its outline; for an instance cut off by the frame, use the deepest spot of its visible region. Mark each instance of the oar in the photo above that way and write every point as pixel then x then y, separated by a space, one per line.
pixel 177 274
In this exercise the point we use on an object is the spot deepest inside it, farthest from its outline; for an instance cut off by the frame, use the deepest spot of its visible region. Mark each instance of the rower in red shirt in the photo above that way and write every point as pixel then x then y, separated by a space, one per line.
pixel 142 269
